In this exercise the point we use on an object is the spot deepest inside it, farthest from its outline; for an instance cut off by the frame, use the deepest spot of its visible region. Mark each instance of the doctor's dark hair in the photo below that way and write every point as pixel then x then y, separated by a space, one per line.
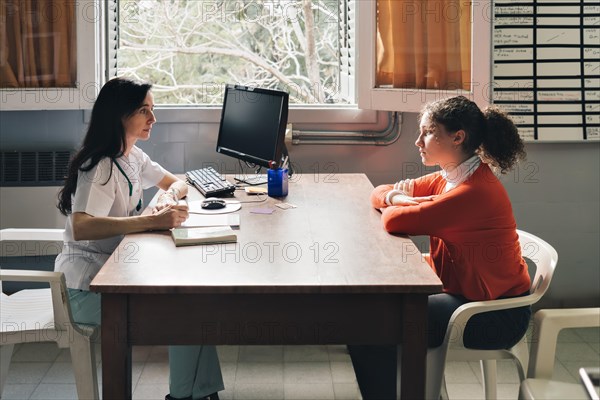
pixel 489 133
pixel 118 99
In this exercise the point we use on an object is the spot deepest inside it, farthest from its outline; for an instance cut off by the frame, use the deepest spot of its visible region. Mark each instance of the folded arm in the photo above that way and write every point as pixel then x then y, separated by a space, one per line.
pixel 428 217
pixel 408 192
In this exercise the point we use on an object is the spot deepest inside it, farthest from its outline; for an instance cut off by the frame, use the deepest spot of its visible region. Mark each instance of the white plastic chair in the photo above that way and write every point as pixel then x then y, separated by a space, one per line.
pixel 452 348
pixel 547 325
pixel 44 315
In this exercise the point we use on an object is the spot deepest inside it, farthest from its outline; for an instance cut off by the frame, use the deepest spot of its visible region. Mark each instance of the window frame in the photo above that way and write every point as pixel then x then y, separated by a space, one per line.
pixel 88 21
pixel 371 97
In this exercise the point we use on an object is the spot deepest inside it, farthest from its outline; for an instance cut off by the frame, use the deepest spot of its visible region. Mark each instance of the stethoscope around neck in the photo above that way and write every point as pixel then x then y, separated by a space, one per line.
pixel 139 205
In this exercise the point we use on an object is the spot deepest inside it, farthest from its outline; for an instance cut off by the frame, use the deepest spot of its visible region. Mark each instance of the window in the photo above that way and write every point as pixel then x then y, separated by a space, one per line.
pixel 47 52
pixel 413 52
pixel 190 49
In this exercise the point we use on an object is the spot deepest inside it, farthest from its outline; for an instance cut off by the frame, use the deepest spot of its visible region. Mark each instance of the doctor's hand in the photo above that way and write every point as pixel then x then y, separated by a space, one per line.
pixel 170 216
pixel 166 199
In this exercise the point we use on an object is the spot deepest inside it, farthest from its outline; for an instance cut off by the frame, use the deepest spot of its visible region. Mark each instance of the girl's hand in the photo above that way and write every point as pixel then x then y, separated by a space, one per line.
pixel 403 200
pixel 406 186
pixel 170 216
pixel 406 197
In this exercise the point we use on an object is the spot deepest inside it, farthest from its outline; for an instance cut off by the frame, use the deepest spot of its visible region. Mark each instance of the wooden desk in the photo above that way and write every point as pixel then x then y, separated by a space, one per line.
pixel 323 273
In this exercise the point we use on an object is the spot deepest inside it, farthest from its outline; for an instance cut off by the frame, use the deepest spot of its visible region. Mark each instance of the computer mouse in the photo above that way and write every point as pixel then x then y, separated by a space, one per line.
pixel 213 203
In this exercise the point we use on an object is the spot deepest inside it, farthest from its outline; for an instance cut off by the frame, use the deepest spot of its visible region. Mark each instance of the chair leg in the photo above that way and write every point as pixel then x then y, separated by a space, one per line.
pixel 83 357
pixel 488 370
pixel 5 356
pixel 520 351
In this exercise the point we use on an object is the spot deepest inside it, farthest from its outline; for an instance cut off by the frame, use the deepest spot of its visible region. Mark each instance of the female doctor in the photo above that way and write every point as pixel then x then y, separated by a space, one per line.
pixel 102 199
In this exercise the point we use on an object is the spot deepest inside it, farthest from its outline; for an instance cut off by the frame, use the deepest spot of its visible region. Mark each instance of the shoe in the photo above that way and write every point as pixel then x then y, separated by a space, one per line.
pixel 168 397
pixel 214 396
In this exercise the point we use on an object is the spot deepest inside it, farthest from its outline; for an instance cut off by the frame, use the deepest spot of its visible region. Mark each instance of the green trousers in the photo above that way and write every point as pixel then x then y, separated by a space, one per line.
pixel 194 370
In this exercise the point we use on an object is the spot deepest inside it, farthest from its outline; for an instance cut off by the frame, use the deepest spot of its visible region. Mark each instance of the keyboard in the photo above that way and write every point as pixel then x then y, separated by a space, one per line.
pixel 209 182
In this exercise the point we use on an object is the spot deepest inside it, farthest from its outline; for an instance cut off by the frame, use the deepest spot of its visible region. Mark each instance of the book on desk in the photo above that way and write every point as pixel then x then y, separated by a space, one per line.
pixel 205 235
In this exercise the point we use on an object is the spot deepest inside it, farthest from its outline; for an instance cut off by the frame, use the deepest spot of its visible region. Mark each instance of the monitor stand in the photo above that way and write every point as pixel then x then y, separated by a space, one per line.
pixel 252 179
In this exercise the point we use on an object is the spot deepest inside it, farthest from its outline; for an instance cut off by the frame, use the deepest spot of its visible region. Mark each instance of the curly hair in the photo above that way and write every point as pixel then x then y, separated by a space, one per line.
pixel 489 133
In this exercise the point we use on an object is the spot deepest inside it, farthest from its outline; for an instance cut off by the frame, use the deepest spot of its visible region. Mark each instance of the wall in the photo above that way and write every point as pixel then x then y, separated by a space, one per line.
pixel 555 194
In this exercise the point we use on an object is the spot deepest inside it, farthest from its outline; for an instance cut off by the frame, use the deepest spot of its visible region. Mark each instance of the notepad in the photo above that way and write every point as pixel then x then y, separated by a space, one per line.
pixel 208 235
pixel 204 220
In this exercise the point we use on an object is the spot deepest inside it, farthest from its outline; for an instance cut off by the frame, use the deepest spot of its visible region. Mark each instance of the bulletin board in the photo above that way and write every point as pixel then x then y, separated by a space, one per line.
pixel 546 67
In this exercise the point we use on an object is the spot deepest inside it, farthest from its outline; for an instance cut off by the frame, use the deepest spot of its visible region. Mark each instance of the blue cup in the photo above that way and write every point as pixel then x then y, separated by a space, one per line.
pixel 277 185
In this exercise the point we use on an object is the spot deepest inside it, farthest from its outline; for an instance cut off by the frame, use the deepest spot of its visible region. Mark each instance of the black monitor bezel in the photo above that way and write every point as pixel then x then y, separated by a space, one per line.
pixel 280 141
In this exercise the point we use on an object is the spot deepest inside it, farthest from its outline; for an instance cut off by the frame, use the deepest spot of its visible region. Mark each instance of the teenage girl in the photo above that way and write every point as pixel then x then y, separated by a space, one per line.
pixel 474 246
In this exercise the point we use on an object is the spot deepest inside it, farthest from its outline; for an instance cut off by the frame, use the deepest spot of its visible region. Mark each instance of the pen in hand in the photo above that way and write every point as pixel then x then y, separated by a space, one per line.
pixel 170 215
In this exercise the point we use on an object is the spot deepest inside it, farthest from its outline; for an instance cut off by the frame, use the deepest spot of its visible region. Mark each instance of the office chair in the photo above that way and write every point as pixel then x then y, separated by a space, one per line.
pixel 547 324
pixel 44 315
pixel 452 348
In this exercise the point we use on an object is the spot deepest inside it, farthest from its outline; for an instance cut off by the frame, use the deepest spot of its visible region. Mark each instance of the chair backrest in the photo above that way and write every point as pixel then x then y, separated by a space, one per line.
pixel 545 258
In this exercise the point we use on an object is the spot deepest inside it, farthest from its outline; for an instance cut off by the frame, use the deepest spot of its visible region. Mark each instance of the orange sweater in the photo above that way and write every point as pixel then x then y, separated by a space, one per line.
pixel 474 246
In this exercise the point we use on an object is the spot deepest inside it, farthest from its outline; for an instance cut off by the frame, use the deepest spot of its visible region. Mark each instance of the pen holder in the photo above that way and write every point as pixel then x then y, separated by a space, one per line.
pixel 277 185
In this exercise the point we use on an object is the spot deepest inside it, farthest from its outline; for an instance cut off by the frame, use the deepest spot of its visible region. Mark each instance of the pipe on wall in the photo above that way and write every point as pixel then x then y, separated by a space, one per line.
pixel 387 136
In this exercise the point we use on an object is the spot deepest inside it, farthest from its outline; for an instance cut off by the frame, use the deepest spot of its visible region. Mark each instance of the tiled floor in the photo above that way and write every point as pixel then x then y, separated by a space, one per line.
pixel 42 371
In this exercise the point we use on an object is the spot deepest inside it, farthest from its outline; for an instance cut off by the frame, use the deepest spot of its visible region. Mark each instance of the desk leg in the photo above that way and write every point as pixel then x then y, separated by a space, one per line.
pixel 116 351
pixel 412 355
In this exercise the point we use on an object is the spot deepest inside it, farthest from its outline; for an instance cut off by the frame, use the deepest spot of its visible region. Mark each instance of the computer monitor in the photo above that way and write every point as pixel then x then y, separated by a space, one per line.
pixel 253 123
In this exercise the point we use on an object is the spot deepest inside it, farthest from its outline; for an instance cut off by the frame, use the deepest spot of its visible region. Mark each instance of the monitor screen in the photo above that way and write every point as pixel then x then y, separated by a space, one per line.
pixel 253 123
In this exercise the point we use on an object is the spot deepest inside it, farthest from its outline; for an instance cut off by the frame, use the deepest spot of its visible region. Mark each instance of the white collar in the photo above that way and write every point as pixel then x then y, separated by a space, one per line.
pixel 460 173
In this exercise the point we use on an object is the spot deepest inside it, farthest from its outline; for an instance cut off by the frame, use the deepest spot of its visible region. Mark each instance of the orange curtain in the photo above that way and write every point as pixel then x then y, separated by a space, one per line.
pixel 424 44
pixel 38 43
